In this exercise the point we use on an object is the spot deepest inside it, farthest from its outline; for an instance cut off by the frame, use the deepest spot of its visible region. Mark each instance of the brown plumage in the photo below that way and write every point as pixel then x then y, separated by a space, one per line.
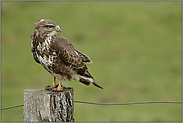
pixel 58 56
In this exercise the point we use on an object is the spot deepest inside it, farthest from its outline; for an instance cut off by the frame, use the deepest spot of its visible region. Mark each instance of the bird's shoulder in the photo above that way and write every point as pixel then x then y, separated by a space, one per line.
pixel 63 42
pixel 65 45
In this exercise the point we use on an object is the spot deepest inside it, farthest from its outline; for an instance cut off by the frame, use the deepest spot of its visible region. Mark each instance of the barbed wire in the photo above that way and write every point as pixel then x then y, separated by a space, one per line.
pixel 151 102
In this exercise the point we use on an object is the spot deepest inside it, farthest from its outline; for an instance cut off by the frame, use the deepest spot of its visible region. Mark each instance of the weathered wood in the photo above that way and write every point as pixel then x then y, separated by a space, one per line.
pixel 44 106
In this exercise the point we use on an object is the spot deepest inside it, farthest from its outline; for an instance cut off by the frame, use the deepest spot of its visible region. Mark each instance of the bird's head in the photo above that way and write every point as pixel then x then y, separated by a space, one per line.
pixel 45 26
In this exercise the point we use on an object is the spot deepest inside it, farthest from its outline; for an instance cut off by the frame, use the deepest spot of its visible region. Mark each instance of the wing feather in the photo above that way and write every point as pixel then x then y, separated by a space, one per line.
pixel 84 57
pixel 69 55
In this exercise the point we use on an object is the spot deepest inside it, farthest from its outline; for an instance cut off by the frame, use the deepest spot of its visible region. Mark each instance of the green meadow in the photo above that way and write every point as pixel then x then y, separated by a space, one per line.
pixel 135 48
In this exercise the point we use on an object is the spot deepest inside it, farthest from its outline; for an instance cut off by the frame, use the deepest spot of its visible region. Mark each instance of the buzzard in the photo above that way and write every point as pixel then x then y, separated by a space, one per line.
pixel 58 56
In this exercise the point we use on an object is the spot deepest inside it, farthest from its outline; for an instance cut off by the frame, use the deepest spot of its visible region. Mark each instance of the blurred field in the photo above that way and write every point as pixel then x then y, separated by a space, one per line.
pixel 135 48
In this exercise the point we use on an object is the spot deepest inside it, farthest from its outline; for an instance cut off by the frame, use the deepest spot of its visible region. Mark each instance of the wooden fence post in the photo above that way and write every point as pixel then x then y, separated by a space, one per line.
pixel 46 106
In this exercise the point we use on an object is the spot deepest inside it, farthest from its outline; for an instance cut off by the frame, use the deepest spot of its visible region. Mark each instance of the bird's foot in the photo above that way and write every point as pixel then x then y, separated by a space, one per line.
pixel 55 88
pixel 50 88
pixel 58 89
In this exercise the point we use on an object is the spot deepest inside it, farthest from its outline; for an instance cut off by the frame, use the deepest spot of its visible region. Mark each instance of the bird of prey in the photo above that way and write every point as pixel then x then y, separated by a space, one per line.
pixel 58 56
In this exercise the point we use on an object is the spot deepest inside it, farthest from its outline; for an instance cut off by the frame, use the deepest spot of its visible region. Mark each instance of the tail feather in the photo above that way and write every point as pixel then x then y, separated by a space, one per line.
pixel 86 78
pixel 87 81
pixel 84 82
pixel 97 85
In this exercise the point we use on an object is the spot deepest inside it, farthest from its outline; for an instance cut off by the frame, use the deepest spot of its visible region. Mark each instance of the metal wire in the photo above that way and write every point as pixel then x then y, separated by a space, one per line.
pixel 12 107
pixel 126 103
pixel 108 103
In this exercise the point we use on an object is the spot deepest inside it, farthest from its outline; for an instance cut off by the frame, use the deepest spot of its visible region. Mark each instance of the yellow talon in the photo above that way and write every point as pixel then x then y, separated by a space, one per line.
pixel 59 88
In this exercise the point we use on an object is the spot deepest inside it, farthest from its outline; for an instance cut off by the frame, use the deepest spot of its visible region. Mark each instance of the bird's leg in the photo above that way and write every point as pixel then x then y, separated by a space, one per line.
pixel 53 86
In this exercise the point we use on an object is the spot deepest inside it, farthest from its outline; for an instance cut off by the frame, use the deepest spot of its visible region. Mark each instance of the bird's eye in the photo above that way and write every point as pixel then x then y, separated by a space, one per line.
pixel 50 26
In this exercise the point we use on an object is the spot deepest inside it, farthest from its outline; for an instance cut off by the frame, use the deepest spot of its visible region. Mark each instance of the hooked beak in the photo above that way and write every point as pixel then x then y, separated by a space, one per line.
pixel 58 29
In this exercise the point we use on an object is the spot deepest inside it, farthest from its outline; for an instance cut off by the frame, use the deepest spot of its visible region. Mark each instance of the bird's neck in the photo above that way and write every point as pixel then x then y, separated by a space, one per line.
pixel 42 36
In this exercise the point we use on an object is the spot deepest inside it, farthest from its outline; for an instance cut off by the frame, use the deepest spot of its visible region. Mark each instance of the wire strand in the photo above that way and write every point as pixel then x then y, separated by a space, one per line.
pixel 127 103
pixel 108 103
pixel 12 107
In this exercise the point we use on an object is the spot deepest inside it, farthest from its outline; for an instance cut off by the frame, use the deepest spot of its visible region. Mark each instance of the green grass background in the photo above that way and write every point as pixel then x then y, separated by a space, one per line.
pixel 135 48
